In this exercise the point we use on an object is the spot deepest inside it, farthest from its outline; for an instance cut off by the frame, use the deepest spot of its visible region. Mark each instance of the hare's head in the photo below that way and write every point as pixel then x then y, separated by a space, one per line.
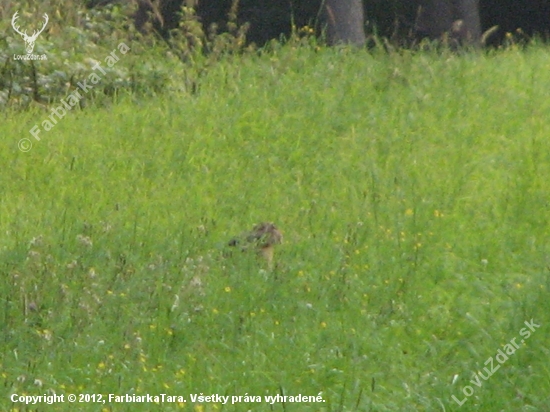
pixel 265 235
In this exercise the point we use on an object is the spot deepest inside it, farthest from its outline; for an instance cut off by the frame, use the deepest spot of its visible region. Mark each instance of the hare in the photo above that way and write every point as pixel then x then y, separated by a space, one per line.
pixel 262 239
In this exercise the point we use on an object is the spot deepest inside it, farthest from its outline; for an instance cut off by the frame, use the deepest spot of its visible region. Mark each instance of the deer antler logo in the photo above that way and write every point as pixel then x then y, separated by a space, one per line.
pixel 29 40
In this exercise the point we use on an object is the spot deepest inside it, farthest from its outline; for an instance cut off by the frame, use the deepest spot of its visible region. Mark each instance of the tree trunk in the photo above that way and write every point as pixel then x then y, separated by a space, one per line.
pixel 468 12
pixel 345 20
pixel 458 20
pixel 435 17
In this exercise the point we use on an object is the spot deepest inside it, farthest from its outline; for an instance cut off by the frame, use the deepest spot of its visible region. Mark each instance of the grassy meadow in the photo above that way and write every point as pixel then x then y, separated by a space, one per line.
pixel 412 189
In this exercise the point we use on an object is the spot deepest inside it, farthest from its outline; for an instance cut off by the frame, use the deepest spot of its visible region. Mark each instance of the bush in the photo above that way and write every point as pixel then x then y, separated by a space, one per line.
pixel 77 39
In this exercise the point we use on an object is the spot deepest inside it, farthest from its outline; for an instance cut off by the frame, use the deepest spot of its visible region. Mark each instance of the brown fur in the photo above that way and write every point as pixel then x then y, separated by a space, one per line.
pixel 263 238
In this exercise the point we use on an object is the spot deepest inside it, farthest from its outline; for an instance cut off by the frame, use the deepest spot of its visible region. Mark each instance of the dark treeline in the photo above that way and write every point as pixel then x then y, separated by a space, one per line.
pixel 400 20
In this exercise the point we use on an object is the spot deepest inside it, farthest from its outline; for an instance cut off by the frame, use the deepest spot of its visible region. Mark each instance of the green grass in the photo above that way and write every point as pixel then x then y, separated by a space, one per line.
pixel 412 190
